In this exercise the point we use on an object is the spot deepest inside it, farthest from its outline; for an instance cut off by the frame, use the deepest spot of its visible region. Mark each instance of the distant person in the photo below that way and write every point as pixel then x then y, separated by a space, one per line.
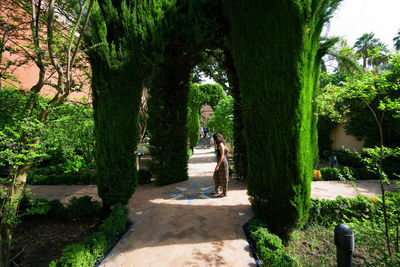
pixel 221 172
pixel 201 132
pixel 205 130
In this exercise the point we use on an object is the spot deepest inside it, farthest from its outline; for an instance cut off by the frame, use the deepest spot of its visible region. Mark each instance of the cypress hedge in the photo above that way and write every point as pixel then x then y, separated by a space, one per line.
pixel 193 119
pixel 120 40
pixel 239 153
pixel 187 28
pixel 167 122
pixel 276 57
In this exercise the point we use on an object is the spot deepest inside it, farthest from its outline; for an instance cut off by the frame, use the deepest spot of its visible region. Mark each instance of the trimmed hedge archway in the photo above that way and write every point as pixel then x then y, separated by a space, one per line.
pixel 275 57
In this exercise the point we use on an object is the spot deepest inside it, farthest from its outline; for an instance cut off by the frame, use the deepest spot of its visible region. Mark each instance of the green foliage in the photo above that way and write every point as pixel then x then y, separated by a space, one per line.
pixel 201 94
pixel 379 93
pixel 16 128
pixel 57 179
pixel 222 119
pixel 68 138
pixel 328 212
pixel 239 143
pixel 193 118
pixel 83 206
pixel 278 74
pixel 189 153
pixel 332 174
pixel 119 36
pixel 93 248
pixel 366 217
pixel 66 144
pixel 168 122
pixel 76 207
pixel 269 246
pixel 210 94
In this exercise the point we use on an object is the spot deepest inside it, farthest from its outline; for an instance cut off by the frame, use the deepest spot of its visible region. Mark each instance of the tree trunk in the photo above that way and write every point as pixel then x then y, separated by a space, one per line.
pixel 14 195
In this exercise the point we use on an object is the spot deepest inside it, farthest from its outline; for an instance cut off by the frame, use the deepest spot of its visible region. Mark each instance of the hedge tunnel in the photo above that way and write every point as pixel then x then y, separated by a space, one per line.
pixel 273 60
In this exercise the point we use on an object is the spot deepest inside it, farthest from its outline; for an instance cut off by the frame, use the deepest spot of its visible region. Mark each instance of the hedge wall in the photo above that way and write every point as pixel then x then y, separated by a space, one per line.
pixel 239 153
pixel 168 117
pixel 276 58
pixel 119 40
pixel 193 118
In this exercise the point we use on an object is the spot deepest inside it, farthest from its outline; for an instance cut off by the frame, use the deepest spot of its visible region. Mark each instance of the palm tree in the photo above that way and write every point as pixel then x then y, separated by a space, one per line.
pixel 396 41
pixel 379 55
pixel 364 45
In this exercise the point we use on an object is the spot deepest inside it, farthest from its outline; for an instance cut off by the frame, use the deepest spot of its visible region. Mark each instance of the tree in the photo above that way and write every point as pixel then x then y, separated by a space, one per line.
pixel 364 45
pixel 28 140
pixel 369 90
pixel 222 119
pixel 276 55
pixel 339 51
pixel 396 41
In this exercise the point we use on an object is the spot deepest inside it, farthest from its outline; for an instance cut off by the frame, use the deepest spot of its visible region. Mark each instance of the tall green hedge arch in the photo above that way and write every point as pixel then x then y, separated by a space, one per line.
pixel 275 51
pixel 123 36
pixel 200 94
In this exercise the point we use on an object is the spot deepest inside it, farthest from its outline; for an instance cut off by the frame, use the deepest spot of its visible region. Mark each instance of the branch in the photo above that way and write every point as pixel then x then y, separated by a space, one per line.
pixel 50 43
pixel 71 39
pixel 82 31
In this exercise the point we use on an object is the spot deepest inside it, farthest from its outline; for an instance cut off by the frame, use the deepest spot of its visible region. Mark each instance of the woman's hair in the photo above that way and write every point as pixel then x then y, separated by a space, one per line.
pixel 218 138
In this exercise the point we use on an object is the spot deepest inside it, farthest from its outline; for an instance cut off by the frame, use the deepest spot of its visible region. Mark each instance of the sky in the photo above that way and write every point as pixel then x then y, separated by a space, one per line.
pixel 356 17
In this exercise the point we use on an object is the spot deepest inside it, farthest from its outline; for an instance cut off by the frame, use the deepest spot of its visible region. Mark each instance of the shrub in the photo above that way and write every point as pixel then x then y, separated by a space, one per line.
pixel 83 206
pixel 144 176
pixel 326 212
pixel 65 178
pixel 77 207
pixel 189 153
pixel 329 174
pixel 269 246
pixel 93 248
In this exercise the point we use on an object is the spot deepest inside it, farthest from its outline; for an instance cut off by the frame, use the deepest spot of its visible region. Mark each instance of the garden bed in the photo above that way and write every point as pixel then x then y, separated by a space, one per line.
pixel 42 239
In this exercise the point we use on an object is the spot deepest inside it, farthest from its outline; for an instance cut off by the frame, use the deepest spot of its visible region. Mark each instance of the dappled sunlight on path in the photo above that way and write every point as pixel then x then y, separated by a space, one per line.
pixel 184 225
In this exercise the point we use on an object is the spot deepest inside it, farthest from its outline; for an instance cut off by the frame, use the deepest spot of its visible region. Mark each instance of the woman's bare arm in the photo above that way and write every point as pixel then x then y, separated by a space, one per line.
pixel 221 148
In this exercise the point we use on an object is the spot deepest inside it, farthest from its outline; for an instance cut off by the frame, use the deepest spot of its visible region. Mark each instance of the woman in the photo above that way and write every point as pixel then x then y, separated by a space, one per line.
pixel 221 170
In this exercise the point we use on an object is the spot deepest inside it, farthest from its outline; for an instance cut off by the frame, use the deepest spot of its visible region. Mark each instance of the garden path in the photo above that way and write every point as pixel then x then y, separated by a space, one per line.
pixel 183 225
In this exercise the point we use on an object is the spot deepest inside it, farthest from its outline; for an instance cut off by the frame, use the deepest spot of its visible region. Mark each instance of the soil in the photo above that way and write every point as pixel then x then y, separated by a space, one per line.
pixel 42 240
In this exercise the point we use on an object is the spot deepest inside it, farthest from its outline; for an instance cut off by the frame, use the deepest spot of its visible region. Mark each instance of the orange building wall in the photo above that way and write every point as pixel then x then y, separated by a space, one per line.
pixel 341 139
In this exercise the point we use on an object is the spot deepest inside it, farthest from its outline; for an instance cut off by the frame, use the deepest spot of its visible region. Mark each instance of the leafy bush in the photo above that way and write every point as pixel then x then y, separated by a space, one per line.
pixel 269 246
pixel 189 153
pixel 77 207
pixel 332 174
pixel 144 176
pixel 326 212
pixel 328 173
pixel 83 206
pixel 222 119
pixel 346 157
pixel 365 216
pixel 66 178
pixel 93 248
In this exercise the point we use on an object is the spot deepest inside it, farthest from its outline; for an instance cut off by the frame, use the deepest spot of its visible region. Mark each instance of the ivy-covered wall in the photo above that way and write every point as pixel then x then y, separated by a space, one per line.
pixel 276 57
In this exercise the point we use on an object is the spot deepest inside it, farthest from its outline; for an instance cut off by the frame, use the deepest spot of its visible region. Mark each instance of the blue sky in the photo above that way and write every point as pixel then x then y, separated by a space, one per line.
pixel 356 17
